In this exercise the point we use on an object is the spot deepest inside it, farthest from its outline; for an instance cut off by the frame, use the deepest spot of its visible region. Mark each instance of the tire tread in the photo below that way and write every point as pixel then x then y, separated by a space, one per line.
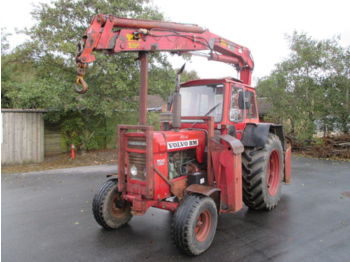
pixel 98 202
pixel 181 223
pixel 253 163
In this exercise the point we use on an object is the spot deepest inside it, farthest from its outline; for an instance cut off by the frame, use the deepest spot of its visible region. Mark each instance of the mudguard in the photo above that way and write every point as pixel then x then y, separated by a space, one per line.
pixel 209 191
pixel 255 135
pixel 112 176
pixel 225 152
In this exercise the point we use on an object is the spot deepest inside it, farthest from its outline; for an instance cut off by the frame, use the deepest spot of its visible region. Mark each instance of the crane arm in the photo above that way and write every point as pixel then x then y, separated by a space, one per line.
pixel 117 35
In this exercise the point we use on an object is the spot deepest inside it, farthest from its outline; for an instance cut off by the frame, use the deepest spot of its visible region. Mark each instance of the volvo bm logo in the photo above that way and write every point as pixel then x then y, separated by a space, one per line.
pixel 182 144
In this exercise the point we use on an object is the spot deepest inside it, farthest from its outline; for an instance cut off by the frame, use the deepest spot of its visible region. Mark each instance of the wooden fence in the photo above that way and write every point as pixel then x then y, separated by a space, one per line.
pixel 22 136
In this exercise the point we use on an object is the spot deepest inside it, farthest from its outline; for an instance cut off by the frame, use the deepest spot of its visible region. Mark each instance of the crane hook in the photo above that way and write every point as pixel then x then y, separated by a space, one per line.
pixel 80 81
pixel 81 70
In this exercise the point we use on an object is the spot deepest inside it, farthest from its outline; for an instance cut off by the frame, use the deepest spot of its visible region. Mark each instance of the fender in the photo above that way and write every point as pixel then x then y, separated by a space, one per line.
pixel 112 177
pixel 209 191
pixel 255 135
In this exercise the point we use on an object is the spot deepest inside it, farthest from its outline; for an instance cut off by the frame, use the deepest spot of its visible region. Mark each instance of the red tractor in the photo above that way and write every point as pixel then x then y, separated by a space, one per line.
pixel 212 153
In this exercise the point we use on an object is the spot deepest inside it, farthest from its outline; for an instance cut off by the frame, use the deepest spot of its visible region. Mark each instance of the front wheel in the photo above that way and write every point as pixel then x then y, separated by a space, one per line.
pixel 194 224
pixel 109 209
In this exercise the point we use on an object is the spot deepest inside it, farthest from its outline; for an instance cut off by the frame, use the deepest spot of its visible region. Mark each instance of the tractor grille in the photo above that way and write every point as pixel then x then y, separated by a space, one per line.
pixel 137 159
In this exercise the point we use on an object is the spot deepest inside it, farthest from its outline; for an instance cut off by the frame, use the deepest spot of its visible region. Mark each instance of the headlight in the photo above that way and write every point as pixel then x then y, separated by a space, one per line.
pixel 133 170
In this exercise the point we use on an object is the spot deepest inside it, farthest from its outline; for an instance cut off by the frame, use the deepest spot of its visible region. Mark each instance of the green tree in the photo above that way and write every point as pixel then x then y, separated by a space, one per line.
pixel 41 72
pixel 310 86
pixel 113 79
pixel 4 42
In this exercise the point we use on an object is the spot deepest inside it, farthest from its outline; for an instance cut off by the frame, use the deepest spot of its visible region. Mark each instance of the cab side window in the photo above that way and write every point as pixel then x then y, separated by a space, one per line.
pixel 250 104
pixel 242 105
pixel 236 112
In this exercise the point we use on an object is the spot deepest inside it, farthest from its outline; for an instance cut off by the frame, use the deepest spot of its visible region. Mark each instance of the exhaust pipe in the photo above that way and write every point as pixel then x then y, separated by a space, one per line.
pixel 176 123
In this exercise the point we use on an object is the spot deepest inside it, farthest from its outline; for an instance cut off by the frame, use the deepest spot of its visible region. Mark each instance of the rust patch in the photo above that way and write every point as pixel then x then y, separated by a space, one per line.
pixel 346 194
pixel 178 187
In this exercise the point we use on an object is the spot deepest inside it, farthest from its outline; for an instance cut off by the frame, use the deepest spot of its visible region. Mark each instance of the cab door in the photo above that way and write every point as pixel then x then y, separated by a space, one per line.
pixel 242 109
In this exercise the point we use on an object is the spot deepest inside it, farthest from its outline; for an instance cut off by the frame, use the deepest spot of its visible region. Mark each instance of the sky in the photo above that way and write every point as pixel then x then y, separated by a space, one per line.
pixel 262 26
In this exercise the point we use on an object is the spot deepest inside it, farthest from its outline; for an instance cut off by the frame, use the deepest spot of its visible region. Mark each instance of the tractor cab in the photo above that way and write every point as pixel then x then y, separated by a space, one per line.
pixel 231 104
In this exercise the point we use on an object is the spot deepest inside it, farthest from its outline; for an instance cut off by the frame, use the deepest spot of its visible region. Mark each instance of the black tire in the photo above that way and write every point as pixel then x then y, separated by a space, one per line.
pixel 194 224
pixel 261 190
pixel 110 211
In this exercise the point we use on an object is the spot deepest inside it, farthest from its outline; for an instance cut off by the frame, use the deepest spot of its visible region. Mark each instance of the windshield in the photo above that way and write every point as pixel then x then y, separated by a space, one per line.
pixel 204 100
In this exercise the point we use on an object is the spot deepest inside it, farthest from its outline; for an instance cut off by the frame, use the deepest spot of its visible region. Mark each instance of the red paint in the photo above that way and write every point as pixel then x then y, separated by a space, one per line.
pixel 209 126
pixel 140 206
pixel 72 151
pixel 183 135
pixel 225 121
pixel 273 173
pixel 143 87
pixel 161 189
pixel 228 175
pixel 145 35
pixel 146 188
pixel 203 225
pixel 288 164
pixel 156 148
pixel 159 140
pixel 171 206
pixel 148 24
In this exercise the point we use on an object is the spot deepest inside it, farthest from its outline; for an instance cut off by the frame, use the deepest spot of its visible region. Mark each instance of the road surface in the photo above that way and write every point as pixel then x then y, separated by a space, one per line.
pixel 46 216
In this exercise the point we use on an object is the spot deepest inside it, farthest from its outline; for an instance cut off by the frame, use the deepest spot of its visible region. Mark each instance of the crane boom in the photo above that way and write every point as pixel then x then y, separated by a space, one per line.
pixel 116 35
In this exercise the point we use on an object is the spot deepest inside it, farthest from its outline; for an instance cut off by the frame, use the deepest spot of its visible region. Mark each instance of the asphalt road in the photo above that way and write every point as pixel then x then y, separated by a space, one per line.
pixel 46 216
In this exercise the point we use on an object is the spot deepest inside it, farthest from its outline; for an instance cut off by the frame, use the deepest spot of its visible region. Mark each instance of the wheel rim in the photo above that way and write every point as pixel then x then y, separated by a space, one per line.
pixel 203 226
pixel 117 208
pixel 273 174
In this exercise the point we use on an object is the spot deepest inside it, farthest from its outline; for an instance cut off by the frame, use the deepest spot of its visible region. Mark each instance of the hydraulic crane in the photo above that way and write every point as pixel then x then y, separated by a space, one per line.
pixel 117 35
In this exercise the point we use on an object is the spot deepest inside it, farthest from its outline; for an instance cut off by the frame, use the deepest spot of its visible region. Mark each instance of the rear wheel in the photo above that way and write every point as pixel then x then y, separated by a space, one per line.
pixel 109 209
pixel 262 174
pixel 194 224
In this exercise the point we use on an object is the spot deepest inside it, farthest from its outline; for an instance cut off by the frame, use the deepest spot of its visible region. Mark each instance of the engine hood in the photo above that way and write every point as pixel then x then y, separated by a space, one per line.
pixel 169 141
